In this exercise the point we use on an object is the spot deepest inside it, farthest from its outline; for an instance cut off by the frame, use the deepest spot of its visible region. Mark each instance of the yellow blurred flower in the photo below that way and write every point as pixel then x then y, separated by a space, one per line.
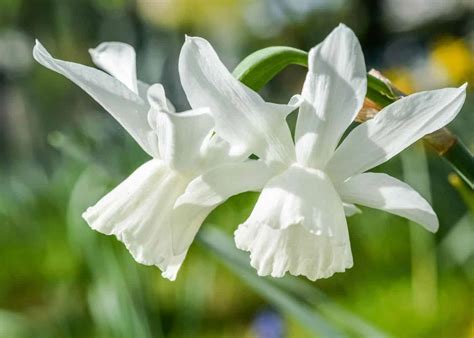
pixel 401 78
pixel 455 57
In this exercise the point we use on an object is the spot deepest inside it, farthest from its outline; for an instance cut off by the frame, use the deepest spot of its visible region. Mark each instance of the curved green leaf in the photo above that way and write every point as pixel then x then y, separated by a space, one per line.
pixel 261 66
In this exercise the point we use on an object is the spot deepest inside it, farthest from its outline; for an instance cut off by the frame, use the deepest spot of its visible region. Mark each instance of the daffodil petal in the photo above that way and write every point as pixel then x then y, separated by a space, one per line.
pixel 300 196
pixel 381 191
pixel 209 190
pixel 155 94
pixel 217 151
pixel 242 117
pixel 124 105
pixel 158 97
pixel 117 59
pixel 350 209
pixel 393 129
pixel 138 213
pixel 333 93
pixel 180 135
pixel 295 250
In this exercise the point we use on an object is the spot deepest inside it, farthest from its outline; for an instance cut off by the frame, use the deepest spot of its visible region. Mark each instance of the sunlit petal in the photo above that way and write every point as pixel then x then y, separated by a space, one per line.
pixel 393 129
pixel 117 59
pixel 138 212
pixel 209 190
pixel 350 209
pixel 334 91
pixel 129 109
pixel 180 135
pixel 384 192
pixel 242 117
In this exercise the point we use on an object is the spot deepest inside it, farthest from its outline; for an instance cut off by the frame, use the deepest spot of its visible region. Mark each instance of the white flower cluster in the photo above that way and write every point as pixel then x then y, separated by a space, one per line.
pixel 200 157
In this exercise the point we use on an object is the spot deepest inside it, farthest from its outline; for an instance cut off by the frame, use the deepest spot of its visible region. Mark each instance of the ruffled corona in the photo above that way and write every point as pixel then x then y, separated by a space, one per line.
pixel 294 249
pixel 298 225
pixel 138 213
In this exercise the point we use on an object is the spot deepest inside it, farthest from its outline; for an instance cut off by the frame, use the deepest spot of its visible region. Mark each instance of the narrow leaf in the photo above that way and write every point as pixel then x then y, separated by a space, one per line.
pixel 261 66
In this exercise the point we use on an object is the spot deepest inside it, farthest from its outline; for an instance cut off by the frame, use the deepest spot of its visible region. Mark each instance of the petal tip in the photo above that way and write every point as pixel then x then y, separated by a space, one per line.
pixel 344 28
pixel 189 38
pixel 434 226
pixel 86 214
pixel 195 41
pixel 39 49
pixel 92 52
pixel 169 276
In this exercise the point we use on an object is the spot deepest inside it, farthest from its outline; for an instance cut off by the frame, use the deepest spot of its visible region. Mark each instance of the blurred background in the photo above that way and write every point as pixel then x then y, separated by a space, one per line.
pixel 59 152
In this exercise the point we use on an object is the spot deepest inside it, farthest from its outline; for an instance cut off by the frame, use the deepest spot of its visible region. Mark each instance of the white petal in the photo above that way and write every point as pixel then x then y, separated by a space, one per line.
pixel 393 129
pixel 242 117
pixel 173 264
pixel 181 135
pixel 350 209
pixel 301 196
pixel 209 190
pixel 217 151
pixel 138 213
pixel 334 92
pixel 143 93
pixel 155 94
pixel 117 59
pixel 384 192
pixel 123 104
pixel 294 249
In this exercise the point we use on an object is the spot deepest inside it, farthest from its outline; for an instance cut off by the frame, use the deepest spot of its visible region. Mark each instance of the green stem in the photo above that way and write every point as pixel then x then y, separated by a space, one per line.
pixel 462 161
pixel 261 66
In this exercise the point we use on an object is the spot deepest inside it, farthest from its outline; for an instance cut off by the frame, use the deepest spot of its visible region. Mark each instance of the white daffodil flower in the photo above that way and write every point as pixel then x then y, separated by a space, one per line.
pixel 298 223
pixel 152 212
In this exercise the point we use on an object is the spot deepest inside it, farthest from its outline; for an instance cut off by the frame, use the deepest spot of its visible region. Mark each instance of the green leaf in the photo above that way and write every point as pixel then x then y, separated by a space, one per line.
pixel 260 67
pixel 462 161
pixel 380 92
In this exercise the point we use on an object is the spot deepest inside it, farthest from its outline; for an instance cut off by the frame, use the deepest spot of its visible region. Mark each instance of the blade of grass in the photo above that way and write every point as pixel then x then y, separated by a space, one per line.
pixel 423 256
